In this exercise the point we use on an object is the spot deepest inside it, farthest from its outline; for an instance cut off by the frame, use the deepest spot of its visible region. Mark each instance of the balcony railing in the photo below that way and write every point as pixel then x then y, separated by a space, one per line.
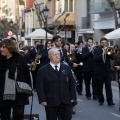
pixel 86 22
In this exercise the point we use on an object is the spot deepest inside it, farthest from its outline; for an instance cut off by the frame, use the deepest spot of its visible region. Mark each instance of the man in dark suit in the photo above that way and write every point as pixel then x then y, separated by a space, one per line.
pixel 63 52
pixel 88 68
pixel 103 72
pixel 79 70
pixel 56 88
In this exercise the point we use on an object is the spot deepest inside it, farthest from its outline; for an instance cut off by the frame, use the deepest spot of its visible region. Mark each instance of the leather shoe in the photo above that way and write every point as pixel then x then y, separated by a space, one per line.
pixel 79 93
pixel 73 112
pixel 111 104
pixel 89 98
pixel 100 103
pixel 95 98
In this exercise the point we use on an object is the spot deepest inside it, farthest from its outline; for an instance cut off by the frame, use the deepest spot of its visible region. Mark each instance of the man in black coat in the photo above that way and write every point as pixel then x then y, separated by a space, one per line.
pixel 103 72
pixel 88 68
pixel 79 70
pixel 32 56
pixel 56 88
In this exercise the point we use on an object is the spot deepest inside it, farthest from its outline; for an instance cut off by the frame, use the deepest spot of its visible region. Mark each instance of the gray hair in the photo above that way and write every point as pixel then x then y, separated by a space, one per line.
pixel 51 50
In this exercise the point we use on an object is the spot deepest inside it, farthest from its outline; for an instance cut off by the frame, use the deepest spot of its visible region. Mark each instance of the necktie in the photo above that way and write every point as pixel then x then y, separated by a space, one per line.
pixel 104 55
pixel 56 68
pixel 60 53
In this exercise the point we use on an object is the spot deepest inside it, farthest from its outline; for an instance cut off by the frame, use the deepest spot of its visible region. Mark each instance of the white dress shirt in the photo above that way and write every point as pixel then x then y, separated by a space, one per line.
pixel 53 66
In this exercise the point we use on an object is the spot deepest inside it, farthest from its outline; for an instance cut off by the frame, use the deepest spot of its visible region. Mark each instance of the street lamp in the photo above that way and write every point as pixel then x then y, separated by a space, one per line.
pixel 14 29
pixel 45 12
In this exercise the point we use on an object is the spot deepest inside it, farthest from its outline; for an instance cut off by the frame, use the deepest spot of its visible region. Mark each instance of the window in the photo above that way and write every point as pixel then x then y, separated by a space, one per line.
pixel 111 43
pixel 68 5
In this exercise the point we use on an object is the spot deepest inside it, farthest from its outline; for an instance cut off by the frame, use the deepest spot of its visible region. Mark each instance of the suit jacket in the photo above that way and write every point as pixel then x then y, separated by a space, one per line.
pixel 65 57
pixel 102 68
pixel 45 57
pixel 23 75
pixel 78 59
pixel 55 88
pixel 88 63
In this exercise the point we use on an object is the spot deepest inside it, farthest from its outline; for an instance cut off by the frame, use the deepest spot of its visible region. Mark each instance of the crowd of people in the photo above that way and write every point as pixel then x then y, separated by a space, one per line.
pixel 59 70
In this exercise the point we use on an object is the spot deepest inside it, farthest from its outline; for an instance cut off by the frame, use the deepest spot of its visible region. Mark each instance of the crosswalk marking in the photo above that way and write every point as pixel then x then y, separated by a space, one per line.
pixel 115 115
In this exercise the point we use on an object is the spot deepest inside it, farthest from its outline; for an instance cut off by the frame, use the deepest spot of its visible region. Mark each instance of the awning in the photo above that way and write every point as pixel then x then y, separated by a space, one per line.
pixel 114 34
pixel 39 34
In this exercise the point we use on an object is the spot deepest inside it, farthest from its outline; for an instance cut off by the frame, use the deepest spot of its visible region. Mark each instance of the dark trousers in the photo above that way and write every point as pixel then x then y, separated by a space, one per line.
pixel 89 78
pixel 94 86
pixel 101 79
pixel 34 74
pixel 80 82
pixel 61 112
pixel 18 111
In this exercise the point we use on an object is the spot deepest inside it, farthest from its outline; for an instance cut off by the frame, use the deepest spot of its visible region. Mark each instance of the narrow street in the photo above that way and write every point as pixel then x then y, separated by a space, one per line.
pixel 86 109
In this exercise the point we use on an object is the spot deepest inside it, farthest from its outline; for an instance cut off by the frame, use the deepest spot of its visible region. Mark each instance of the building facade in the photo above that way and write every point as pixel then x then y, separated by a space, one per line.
pixel 69 7
pixel 103 19
pixel 13 8
pixel 84 23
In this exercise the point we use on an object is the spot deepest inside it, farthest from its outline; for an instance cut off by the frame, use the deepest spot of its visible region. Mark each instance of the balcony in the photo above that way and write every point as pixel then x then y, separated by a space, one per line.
pixel 86 23
pixel 99 7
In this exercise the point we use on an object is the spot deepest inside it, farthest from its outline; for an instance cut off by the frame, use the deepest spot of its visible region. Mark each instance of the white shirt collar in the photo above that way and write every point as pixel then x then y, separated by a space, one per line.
pixel 57 48
pixel 53 66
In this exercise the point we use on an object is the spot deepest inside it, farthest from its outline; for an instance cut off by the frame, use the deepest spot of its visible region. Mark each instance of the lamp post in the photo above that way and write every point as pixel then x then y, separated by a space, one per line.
pixel 14 28
pixel 45 11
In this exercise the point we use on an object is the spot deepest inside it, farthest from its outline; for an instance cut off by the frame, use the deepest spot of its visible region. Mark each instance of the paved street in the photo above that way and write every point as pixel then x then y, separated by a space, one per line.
pixel 86 109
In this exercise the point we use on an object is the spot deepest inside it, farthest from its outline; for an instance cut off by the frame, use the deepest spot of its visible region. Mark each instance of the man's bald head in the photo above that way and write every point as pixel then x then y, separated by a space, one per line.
pixel 54 55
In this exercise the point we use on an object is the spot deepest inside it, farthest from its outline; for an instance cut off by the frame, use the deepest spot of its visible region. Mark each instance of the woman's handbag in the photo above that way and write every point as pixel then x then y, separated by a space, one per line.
pixel 23 87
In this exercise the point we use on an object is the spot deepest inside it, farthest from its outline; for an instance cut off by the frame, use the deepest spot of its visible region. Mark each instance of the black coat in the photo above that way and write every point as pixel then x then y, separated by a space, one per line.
pixel 78 60
pixel 53 88
pixel 22 75
pixel 88 63
pixel 45 57
pixel 102 68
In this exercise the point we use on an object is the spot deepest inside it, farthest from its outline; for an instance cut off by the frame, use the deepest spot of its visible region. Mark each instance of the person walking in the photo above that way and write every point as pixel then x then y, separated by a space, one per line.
pixel 56 88
pixel 13 68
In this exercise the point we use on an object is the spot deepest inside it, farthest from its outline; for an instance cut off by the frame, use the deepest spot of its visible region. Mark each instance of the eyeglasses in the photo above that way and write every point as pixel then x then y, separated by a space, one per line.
pixel 49 43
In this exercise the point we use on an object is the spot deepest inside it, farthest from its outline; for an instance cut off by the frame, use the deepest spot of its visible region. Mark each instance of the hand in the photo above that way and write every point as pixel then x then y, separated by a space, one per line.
pixel 72 101
pixel 75 65
pixel 79 50
pixel 117 67
pixel 44 103
pixel 30 65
